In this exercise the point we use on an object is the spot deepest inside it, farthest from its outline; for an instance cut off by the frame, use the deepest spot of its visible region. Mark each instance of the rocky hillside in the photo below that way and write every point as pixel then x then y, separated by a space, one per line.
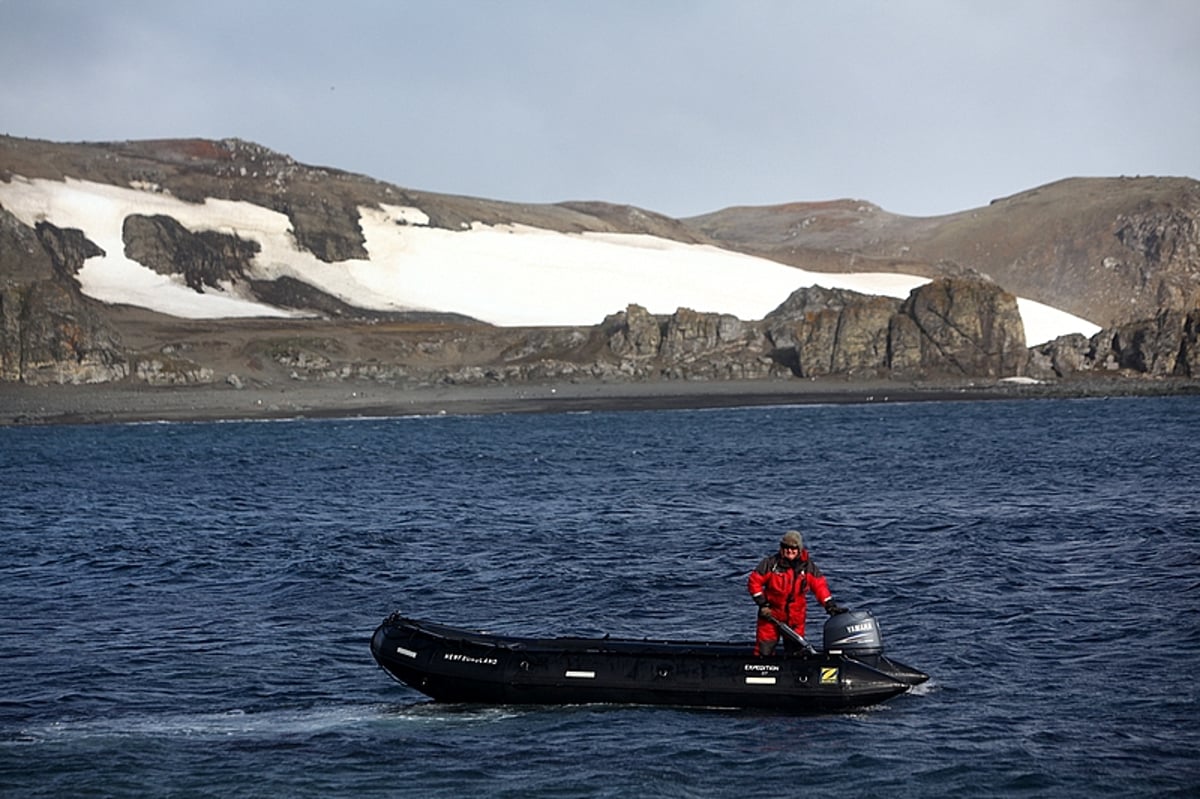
pixel 1123 253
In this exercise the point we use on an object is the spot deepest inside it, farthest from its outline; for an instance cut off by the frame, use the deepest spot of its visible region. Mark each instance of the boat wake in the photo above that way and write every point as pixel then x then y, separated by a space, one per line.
pixel 430 712
pixel 238 723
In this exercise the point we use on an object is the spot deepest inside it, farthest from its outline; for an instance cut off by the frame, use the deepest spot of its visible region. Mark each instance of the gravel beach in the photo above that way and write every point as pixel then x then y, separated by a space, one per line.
pixel 108 403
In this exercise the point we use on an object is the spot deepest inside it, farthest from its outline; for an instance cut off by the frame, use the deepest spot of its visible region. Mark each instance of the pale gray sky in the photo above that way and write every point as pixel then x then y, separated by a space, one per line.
pixel 679 106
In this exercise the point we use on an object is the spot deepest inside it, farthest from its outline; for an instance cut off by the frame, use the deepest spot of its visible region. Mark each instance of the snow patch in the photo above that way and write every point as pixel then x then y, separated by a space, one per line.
pixel 99 210
pixel 1044 323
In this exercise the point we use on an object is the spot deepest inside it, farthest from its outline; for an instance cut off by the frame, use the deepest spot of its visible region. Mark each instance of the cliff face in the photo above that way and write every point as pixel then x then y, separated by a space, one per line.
pixel 50 332
pixel 1124 253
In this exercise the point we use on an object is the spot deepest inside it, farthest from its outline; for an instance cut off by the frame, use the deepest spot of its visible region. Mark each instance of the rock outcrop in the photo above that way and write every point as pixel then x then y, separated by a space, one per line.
pixel 1166 346
pixel 948 327
pixel 818 331
pixel 959 327
pixel 50 332
pixel 207 258
pixel 687 345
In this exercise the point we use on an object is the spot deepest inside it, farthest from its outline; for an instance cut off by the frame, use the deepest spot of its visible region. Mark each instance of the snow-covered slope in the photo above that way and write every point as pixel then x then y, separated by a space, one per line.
pixel 502 274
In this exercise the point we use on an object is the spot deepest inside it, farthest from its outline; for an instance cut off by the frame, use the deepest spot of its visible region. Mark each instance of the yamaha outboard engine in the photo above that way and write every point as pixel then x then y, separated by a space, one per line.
pixel 854 633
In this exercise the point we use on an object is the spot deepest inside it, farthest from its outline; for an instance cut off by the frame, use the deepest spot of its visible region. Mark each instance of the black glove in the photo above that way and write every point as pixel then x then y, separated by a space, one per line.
pixel 765 612
pixel 833 608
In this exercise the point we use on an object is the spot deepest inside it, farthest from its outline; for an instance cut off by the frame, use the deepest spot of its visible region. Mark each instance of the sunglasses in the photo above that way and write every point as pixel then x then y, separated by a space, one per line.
pixel 788 546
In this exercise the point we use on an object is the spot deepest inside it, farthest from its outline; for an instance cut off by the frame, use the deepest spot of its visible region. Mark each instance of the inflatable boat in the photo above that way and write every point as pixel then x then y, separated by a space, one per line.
pixel 455 665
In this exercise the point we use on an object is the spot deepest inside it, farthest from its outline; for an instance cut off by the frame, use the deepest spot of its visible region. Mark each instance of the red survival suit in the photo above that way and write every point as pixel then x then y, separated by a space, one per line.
pixel 780 585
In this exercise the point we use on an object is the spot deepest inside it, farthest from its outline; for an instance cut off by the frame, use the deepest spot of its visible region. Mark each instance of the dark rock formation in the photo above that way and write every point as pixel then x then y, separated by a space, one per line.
pixel 1064 356
pixel 1166 346
pixel 50 332
pixel 687 345
pixel 328 230
pixel 634 333
pixel 68 249
pixel 1188 362
pixel 1165 245
pixel 1151 347
pixel 961 328
pixel 948 327
pixel 207 258
pixel 819 331
pixel 61 340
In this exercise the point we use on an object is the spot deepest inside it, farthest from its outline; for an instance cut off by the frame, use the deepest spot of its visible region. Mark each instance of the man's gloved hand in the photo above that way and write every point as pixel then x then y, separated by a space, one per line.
pixel 765 612
pixel 833 608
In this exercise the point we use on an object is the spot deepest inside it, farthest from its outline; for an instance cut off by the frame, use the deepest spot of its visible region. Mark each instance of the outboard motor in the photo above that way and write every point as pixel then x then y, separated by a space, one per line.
pixel 854 633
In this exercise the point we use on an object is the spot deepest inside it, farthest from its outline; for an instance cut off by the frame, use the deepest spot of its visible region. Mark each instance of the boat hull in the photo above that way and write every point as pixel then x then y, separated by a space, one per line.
pixel 453 665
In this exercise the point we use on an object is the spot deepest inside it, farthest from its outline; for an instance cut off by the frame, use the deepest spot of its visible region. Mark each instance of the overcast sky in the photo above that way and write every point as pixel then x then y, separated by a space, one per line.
pixel 680 106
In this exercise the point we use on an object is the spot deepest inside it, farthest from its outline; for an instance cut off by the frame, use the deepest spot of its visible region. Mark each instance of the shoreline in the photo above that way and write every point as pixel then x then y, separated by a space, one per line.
pixel 22 405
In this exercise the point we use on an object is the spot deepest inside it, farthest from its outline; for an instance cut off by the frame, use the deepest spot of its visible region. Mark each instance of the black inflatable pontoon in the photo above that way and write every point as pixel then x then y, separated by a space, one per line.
pixel 454 665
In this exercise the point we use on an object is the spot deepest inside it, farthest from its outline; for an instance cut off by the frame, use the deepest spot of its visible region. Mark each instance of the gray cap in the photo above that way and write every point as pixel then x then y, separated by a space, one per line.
pixel 792 538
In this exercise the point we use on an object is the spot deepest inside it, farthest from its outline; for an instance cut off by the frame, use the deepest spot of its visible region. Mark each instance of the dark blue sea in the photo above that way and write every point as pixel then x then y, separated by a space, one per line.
pixel 185 609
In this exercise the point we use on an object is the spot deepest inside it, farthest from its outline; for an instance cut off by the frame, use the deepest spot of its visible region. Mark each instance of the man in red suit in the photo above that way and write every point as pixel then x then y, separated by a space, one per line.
pixel 778 584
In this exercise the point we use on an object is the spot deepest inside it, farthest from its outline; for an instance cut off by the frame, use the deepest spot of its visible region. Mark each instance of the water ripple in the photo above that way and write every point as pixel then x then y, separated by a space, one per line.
pixel 184 609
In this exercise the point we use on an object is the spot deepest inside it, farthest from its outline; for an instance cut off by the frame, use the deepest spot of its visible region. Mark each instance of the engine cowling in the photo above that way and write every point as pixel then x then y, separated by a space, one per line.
pixel 855 632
